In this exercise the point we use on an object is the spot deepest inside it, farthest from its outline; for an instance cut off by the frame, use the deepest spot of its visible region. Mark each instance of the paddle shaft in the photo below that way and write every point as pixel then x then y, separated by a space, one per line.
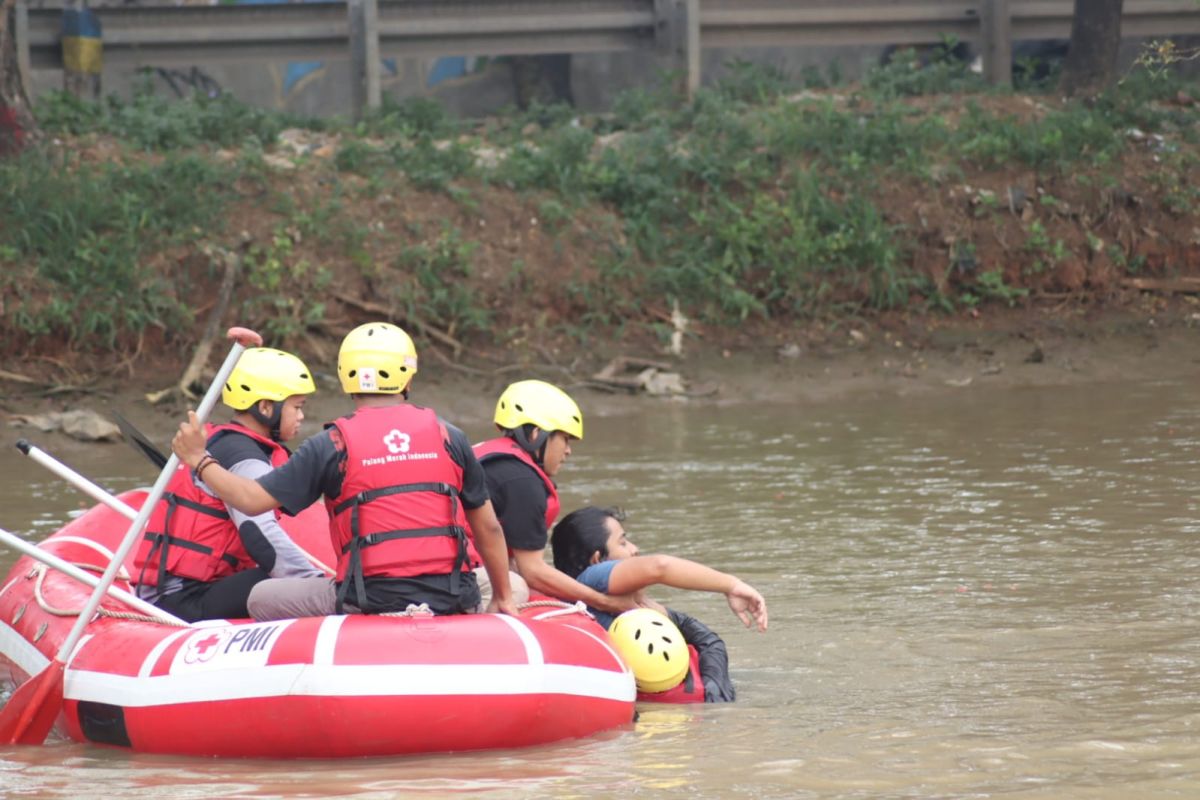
pixel 75 479
pixel 99 493
pixel 72 571
pixel 139 522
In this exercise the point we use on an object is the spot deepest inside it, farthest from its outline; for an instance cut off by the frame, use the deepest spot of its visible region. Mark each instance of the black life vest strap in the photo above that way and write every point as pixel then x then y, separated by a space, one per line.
pixel 354 568
pixel 375 494
pixel 409 533
pixel 165 541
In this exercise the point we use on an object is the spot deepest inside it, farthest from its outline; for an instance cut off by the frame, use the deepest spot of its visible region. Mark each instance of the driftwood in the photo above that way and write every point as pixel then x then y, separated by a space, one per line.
pixel 5 375
pixel 1184 285
pixel 212 330
pixel 422 326
pixel 635 375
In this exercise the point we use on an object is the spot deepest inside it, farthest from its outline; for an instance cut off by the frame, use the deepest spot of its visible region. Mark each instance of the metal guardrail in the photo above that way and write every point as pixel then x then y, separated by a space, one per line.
pixel 361 29
pixel 196 35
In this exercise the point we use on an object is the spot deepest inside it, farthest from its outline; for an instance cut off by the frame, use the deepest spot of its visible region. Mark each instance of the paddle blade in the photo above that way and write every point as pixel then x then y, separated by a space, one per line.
pixel 138 441
pixel 29 714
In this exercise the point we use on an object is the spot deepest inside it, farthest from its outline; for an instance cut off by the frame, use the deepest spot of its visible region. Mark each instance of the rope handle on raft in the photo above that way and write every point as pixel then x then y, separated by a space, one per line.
pixel 560 608
pixel 41 570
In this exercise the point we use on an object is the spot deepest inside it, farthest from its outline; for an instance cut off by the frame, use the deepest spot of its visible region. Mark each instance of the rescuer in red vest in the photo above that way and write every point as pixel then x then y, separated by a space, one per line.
pixel 198 558
pixel 538 422
pixel 400 485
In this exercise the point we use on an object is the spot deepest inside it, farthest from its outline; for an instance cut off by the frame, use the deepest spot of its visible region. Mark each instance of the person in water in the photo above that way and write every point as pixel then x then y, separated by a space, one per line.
pixel 401 486
pixel 590 545
pixel 199 558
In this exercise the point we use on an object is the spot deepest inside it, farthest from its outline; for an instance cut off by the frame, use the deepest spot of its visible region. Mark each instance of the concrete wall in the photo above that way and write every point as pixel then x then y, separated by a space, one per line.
pixel 467 86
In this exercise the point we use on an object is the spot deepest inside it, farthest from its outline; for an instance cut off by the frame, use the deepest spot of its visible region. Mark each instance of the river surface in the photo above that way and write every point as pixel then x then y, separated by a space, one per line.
pixel 982 594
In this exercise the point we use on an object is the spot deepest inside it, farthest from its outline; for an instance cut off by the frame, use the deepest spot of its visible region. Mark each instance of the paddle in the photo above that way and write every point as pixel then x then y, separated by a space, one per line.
pixel 75 479
pixel 139 442
pixel 86 578
pixel 87 487
pixel 33 707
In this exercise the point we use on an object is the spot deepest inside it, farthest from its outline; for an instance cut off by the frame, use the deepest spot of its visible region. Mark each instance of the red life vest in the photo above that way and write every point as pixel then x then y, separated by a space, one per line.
pixel 504 446
pixel 398 514
pixel 190 534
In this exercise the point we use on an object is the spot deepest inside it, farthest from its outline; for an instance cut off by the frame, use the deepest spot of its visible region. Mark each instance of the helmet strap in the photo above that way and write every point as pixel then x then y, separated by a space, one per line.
pixel 272 422
pixel 535 449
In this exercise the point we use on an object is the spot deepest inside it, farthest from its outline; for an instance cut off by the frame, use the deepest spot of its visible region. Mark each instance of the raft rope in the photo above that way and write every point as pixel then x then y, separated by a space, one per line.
pixel 560 608
pixel 40 570
pixel 420 611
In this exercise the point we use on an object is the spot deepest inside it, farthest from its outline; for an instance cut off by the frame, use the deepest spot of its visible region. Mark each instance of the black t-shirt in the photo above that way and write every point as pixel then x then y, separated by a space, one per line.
pixel 229 449
pixel 519 497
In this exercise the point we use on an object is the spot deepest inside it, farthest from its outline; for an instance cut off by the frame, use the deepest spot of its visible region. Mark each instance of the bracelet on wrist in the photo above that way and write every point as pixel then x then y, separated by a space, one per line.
pixel 206 461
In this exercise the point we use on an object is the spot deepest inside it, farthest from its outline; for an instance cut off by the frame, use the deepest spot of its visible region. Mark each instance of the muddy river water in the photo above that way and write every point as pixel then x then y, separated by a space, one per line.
pixel 979 594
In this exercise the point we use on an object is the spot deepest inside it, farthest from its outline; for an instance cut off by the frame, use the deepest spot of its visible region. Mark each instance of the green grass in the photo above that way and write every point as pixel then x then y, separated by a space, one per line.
pixel 752 200
pixel 78 241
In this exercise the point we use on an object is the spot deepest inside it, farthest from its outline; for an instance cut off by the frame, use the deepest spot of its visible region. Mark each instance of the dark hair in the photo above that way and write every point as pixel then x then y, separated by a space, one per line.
pixel 578 535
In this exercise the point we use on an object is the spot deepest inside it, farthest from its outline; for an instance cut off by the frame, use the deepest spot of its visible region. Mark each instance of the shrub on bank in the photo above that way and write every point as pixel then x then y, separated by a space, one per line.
pixel 757 199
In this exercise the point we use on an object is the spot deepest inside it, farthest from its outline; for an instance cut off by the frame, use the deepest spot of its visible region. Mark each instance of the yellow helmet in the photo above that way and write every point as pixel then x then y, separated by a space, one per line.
pixel 263 373
pixel 542 404
pixel 653 648
pixel 376 358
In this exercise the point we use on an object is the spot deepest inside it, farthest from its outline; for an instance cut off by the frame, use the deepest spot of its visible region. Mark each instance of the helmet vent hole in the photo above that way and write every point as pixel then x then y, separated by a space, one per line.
pixel 666 656
pixel 352 373
pixel 383 374
pixel 637 635
pixel 518 407
pixel 303 376
pixel 650 649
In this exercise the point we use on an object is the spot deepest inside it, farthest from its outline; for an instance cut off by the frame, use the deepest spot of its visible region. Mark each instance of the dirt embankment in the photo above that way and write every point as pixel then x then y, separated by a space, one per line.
pixel 1149 339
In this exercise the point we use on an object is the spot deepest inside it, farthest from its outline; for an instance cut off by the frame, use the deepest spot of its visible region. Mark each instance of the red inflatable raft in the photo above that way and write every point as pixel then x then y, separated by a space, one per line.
pixel 332 687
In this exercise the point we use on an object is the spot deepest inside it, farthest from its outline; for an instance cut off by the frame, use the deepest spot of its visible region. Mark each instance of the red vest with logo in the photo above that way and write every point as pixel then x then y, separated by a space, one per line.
pixel 398 514
pixel 504 446
pixel 190 534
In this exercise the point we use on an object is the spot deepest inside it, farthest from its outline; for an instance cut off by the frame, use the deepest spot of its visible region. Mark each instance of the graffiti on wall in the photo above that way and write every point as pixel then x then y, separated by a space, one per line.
pixel 184 82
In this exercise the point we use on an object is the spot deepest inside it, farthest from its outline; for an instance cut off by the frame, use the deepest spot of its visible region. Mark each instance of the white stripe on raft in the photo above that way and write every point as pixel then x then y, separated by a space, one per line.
pixel 83 639
pixel 387 680
pixel 616 658
pixel 8 585
pixel 19 651
pixel 96 547
pixel 152 659
pixel 533 648
pixel 327 637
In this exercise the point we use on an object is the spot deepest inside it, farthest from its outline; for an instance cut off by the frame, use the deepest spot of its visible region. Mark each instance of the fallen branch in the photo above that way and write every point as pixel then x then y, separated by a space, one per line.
pixel 625 364
pixel 5 375
pixel 422 326
pixel 452 364
pixel 1169 285
pixel 212 331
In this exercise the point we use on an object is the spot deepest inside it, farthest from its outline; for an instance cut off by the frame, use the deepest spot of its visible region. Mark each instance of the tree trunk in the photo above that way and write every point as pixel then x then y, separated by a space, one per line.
pixel 16 116
pixel 1091 64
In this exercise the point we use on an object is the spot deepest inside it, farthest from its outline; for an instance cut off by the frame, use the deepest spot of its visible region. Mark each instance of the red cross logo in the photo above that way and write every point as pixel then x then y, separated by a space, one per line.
pixel 212 641
pixel 203 649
